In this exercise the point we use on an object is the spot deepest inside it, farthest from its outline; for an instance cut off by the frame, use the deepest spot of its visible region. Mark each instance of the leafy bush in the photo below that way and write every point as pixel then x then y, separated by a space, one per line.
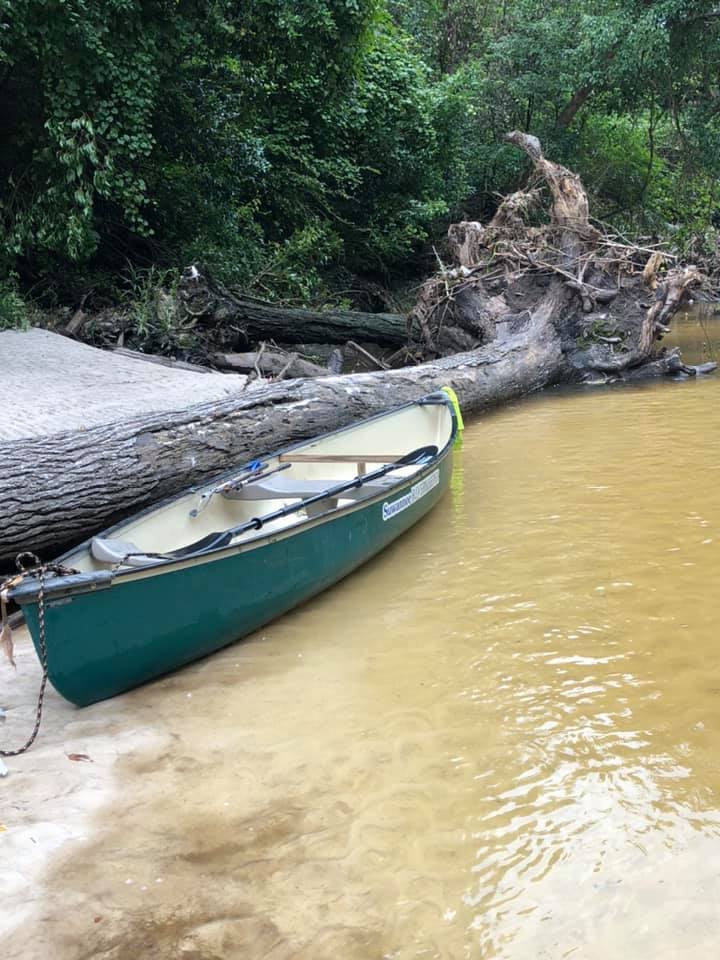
pixel 155 324
pixel 13 311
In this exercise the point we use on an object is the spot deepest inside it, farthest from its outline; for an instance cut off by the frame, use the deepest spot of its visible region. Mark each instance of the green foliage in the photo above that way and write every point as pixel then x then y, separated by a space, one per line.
pixel 155 325
pixel 391 139
pixel 278 142
pixel 13 311
pixel 293 270
pixel 80 80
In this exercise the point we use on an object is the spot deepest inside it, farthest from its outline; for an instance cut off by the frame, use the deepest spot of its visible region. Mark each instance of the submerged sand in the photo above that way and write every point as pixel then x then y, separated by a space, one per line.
pixel 194 829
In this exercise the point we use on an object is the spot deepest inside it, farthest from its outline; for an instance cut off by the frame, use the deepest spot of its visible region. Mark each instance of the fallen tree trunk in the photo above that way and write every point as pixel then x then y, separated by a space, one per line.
pixel 215 304
pixel 54 491
pixel 265 322
pixel 526 306
pixel 268 363
pixel 207 318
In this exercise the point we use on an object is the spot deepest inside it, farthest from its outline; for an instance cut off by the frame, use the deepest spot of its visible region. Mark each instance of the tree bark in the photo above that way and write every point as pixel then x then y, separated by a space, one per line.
pixel 264 321
pixel 54 491
pixel 269 363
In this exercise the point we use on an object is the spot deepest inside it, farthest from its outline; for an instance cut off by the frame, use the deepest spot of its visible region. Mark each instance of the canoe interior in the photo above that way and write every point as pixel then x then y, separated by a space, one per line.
pixel 367 446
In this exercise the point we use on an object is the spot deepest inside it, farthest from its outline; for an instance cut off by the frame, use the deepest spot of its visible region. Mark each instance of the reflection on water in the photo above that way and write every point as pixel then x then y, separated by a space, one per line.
pixel 697 333
pixel 498 740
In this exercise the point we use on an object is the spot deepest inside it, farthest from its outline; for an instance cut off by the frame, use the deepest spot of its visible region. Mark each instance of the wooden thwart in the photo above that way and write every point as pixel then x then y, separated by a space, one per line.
pixel 338 458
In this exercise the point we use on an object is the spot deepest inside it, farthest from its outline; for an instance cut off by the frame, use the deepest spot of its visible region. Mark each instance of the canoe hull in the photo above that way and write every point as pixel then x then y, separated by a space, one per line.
pixel 104 642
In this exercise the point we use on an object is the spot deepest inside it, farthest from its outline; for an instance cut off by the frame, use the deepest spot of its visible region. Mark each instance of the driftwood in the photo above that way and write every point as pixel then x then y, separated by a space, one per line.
pixel 269 363
pixel 375 362
pixel 211 303
pixel 262 321
pixel 526 306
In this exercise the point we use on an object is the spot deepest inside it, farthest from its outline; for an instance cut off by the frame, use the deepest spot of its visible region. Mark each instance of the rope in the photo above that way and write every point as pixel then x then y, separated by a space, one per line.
pixel 41 571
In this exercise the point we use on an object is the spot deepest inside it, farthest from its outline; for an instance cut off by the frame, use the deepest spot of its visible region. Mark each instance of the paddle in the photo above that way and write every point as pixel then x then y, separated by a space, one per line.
pixel 249 473
pixel 221 538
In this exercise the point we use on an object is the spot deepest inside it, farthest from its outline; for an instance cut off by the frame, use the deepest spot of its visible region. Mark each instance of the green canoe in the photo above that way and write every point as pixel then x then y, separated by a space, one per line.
pixel 206 567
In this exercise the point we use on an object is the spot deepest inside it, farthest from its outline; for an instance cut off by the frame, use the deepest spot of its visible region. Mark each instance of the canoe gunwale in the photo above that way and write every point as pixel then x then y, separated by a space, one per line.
pixel 57 587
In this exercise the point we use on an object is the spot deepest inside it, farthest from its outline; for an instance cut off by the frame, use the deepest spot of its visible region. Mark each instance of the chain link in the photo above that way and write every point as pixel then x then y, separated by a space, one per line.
pixel 40 570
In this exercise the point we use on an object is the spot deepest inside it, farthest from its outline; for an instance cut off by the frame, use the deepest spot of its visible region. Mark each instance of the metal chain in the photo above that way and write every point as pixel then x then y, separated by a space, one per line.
pixel 41 571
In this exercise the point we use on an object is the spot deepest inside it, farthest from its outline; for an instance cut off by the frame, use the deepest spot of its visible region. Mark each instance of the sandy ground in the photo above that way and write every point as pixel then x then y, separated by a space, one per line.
pixel 53 384
pixel 200 827
pixel 47 800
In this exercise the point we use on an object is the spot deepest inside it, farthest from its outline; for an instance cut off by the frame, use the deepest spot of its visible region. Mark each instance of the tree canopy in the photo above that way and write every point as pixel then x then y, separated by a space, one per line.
pixel 287 144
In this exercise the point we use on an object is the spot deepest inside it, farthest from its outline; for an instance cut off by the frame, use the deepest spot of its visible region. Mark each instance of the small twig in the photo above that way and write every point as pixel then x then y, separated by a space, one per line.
pixel 443 273
pixel 441 265
pixel 704 328
pixel 257 358
pixel 286 367
pixel 369 356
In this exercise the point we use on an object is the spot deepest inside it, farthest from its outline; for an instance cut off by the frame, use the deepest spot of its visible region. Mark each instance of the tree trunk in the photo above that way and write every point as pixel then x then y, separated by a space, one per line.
pixel 264 321
pixel 567 114
pixel 212 318
pixel 55 491
pixel 526 307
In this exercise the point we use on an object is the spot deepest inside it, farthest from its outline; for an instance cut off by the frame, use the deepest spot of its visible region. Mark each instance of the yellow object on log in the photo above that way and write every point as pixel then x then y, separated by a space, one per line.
pixel 456 407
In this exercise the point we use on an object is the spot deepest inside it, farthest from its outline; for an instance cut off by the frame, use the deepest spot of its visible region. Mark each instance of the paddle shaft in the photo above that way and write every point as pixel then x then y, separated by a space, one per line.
pixel 215 541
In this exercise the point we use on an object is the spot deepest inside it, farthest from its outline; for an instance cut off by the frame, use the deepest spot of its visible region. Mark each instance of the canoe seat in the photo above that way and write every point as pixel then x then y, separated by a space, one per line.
pixel 114 551
pixel 280 487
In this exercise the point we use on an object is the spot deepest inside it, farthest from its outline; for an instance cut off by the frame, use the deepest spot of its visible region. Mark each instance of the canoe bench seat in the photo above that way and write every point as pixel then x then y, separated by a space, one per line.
pixel 106 550
pixel 280 487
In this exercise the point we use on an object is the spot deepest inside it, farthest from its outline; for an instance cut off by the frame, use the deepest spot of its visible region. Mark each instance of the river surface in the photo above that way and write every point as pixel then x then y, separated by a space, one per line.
pixel 500 739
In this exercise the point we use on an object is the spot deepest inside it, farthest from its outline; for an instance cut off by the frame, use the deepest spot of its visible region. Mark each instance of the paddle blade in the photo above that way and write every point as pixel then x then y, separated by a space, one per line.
pixel 421 455
pixel 213 541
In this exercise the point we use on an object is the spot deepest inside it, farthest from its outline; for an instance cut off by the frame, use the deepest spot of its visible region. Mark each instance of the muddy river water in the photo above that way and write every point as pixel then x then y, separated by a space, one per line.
pixel 501 739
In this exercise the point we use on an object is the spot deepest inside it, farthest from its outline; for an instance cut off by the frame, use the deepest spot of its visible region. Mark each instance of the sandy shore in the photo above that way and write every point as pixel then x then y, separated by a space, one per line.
pixel 47 800
pixel 201 827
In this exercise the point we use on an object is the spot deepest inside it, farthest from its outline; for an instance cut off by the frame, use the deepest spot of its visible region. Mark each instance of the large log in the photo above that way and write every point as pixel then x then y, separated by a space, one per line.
pixel 265 321
pixel 216 319
pixel 54 491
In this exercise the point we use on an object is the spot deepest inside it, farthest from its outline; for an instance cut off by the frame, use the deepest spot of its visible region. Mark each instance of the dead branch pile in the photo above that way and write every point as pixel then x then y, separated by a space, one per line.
pixel 608 298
